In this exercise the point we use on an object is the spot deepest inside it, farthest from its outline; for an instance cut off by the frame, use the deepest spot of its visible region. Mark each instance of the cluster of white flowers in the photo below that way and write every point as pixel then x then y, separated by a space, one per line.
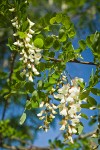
pixel 47 114
pixel 69 107
pixel 30 55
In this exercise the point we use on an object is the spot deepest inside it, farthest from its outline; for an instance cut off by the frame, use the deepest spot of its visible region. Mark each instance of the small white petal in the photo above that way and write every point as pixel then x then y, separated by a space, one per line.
pixel 62 127
pixel 29 35
pixel 30 22
pixel 41 104
pixel 31 31
pixel 27 39
pixel 40 114
pixel 29 65
pixel 63 112
pixel 12 9
pixel 30 78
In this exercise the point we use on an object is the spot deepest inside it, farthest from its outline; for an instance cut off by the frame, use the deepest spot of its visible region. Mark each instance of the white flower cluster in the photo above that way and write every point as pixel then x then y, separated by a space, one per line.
pixel 47 114
pixel 30 55
pixel 69 107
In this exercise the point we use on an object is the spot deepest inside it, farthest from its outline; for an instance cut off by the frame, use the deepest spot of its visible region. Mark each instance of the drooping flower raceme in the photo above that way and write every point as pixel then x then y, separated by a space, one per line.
pixel 47 114
pixel 69 107
pixel 30 55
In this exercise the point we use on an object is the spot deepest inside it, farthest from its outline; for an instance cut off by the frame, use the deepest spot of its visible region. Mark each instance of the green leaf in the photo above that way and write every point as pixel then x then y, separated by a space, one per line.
pixel 22 35
pixel 62 35
pixel 95 91
pixel 40 83
pixel 38 42
pixel 66 22
pixel 35 93
pixel 48 42
pixel 58 17
pixel 82 44
pixel 91 100
pixel 28 105
pixel 29 87
pixel 71 33
pixel 52 20
pixel 35 104
pixel 84 115
pixel 56 45
pixel 52 80
pixel 23 118
pixel 84 94
pixel 87 106
pixel 55 76
pixel 80 128
pixel 88 41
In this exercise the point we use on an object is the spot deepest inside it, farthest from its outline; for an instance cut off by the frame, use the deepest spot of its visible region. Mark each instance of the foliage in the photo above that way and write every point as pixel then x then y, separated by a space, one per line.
pixel 34 80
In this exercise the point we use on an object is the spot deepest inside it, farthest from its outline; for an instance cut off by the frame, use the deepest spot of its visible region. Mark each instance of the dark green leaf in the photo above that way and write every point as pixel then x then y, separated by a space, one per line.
pixel 84 94
pixel 95 91
pixel 87 106
pixel 91 100
pixel 84 116
pixel 82 44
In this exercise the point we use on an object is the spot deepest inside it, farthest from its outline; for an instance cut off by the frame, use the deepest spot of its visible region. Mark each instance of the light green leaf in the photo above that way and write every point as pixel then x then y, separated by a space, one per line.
pixel 38 42
pixel 23 118
pixel 22 35
pixel 52 20
pixel 80 128
pixel 52 80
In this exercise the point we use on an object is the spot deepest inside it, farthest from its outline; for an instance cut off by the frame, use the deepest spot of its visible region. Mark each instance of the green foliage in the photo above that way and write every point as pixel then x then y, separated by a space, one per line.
pixel 53 34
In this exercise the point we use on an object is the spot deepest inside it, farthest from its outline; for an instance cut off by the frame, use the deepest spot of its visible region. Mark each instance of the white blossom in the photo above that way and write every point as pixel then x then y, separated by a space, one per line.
pixel 12 9
pixel 63 112
pixel 40 114
pixel 30 78
pixel 31 31
pixel 69 99
pixel 30 22
pixel 41 104
pixel 62 127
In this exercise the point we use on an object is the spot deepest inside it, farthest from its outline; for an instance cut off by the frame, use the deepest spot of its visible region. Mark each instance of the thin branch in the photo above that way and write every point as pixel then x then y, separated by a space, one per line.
pixel 23 148
pixel 13 57
pixel 20 140
pixel 87 134
pixel 73 61
pixel 83 62
pixel 13 147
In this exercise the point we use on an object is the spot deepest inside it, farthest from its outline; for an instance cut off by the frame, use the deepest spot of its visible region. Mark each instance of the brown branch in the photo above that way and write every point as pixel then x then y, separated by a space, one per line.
pixel 13 57
pixel 87 134
pixel 23 148
pixel 73 61
pixel 20 140
pixel 13 147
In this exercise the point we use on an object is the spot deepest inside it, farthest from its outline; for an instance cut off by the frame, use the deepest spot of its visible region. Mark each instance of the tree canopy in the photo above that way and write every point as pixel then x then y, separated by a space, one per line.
pixel 38 39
